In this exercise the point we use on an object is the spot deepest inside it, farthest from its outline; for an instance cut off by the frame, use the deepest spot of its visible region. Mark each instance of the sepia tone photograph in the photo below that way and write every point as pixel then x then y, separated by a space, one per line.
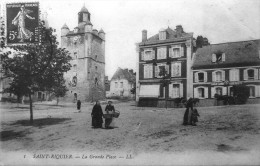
pixel 129 82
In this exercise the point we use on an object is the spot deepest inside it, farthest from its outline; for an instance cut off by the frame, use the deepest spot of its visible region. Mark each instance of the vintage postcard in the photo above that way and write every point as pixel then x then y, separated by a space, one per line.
pixel 129 82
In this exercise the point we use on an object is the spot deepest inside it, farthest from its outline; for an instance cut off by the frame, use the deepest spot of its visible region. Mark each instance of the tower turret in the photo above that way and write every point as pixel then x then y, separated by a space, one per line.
pixel 101 34
pixel 83 15
pixel 64 30
pixel 88 26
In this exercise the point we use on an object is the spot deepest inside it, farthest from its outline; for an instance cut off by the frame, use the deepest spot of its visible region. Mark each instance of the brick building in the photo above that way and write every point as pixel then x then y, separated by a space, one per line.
pixel 169 49
pixel 86 79
pixel 217 67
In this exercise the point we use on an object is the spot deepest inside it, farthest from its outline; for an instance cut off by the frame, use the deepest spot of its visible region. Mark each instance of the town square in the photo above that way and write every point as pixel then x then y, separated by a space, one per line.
pixel 129 82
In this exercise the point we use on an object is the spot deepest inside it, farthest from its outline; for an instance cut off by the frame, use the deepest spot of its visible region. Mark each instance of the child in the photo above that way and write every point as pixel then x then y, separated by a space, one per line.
pixel 194 117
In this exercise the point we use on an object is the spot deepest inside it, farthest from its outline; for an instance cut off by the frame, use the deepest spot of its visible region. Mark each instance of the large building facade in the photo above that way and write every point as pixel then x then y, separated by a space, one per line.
pixel 86 79
pixel 169 50
pixel 217 67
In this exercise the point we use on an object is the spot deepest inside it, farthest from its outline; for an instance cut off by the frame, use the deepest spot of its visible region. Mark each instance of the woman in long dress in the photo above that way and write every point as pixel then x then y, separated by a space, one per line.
pixel 19 20
pixel 187 114
pixel 97 115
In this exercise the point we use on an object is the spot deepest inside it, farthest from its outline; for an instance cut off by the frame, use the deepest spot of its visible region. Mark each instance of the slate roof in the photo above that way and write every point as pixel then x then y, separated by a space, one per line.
pixel 84 10
pixel 171 34
pixel 237 54
pixel 123 74
pixel 65 26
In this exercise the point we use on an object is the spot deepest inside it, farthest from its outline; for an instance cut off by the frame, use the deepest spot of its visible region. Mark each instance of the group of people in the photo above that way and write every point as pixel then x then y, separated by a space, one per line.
pixel 191 114
pixel 97 115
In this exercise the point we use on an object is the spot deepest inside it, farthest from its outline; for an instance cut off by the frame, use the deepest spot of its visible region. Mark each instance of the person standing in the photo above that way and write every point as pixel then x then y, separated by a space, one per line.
pixel 97 114
pixel 79 105
pixel 187 114
pixel 110 109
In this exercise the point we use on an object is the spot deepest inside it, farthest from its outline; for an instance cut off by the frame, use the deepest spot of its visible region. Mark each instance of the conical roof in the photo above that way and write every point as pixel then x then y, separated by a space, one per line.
pixel 84 10
pixel 65 26
pixel 101 31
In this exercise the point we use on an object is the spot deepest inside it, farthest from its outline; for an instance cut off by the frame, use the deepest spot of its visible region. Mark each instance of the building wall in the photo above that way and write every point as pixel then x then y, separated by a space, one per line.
pixel 90 70
pixel 186 72
pixel 209 100
pixel 124 91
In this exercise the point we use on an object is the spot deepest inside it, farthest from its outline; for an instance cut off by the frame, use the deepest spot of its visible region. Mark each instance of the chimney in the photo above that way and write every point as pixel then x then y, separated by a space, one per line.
pixel 144 35
pixel 179 30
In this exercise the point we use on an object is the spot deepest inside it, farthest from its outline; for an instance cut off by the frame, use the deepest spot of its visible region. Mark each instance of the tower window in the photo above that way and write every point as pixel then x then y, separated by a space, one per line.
pixel 96 57
pixel 96 67
pixel 250 74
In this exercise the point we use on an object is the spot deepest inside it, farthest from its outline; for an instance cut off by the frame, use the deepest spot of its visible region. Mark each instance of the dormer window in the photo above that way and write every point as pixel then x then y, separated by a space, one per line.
pixel 162 34
pixel 218 57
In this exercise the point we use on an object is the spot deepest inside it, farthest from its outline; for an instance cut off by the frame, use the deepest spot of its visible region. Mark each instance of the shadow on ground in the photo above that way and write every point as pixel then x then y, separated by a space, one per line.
pixel 41 122
pixel 10 134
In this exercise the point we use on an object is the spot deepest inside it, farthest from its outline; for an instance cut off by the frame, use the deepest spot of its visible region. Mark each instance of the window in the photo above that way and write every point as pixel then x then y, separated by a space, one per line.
pixel 96 68
pixel 161 53
pixel 218 76
pixel 148 54
pixel 175 90
pixel 250 74
pixel 116 85
pixel 219 90
pixel 219 57
pixel 160 68
pixel 74 81
pixel 201 77
pixel 121 84
pixel 162 91
pixel 162 35
pixel 95 57
pixel 96 81
pixel 176 69
pixel 148 71
pixel 251 91
pixel 234 75
pixel 175 52
pixel 201 92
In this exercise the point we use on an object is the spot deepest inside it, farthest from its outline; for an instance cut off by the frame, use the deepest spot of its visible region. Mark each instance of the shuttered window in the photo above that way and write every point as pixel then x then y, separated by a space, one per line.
pixel 159 68
pixel 148 71
pixel 234 75
pixel 176 51
pixel 201 92
pixel 176 69
pixel 148 54
pixel 176 90
pixel 161 53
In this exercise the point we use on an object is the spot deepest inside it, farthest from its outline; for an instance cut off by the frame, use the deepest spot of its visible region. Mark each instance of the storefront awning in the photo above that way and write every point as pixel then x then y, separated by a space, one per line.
pixel 149 91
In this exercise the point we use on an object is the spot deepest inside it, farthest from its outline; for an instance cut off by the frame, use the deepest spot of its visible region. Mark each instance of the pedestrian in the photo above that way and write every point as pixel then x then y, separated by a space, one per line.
pixel 110 109
pixel 97 114
pixel 187 114
pixel 194 117
pixel 79 105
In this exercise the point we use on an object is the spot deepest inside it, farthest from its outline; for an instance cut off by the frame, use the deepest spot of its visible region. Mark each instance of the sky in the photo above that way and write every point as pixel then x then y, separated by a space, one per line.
pixel 123 20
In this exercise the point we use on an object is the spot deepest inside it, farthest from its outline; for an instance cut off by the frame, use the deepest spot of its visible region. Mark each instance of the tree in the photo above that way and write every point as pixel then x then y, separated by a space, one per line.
pixel 36 66
pixel 241 93
pixel 59 89
pixel 200 42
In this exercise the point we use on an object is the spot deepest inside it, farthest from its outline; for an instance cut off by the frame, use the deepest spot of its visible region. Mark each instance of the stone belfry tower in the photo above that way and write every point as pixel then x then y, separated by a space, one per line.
pixel 86 79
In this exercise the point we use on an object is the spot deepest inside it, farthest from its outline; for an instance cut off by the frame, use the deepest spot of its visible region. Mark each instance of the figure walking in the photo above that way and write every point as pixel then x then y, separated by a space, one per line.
pixel 194 117
pixel 97 114
pixel 187 114
pixel 79 105
pixel 110 109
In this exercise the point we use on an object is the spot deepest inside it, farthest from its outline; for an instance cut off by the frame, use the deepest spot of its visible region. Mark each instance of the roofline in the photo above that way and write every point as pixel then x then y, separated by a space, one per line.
pixel 235 42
